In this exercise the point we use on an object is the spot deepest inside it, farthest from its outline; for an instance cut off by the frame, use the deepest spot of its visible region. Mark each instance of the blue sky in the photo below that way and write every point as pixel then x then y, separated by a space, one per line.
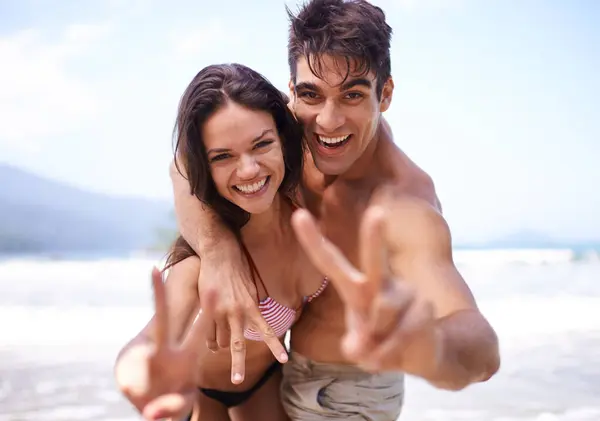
pixel 497 100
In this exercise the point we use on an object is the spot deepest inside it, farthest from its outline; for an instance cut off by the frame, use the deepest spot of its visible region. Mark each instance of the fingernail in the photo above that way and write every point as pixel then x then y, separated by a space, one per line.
pixel 237 378
pixel 283 358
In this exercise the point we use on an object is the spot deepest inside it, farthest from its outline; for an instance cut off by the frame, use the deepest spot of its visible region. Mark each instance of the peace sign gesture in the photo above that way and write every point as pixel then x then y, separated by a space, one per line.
pixel 382 312
pixel 158 376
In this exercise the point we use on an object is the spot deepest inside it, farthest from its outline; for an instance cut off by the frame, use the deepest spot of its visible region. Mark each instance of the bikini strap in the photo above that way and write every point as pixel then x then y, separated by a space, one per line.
pixel 254 272
pixel 253 269
pixel 319 291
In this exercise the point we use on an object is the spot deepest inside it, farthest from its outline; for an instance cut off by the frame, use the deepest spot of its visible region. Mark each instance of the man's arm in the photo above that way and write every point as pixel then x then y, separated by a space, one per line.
pixel 422 319
pixel 466 346
pixel 200 225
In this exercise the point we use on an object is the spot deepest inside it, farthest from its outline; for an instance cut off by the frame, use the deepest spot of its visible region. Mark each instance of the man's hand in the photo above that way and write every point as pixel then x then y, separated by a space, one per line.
pixel 228 279
pixel 159 378
pixel 385 318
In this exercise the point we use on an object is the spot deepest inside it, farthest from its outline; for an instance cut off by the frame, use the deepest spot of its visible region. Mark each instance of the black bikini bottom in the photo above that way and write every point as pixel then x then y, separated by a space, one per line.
pixel 231 399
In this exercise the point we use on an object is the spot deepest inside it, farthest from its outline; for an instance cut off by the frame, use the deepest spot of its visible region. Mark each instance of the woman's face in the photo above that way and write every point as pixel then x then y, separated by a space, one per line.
pixel 245 156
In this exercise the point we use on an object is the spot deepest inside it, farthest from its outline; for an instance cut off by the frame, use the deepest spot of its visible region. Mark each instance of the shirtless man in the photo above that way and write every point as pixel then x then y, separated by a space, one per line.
pixel 372 225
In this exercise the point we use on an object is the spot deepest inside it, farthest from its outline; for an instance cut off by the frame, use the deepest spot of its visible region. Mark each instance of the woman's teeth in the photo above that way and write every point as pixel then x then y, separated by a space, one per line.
pixel 251 188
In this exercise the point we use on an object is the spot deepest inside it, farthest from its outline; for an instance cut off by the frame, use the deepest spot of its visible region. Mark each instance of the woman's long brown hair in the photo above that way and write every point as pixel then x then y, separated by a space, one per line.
pixel 210 90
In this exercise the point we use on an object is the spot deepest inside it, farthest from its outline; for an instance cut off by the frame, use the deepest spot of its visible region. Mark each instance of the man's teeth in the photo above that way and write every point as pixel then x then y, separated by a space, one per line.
pixel 333 140
pixel 252 188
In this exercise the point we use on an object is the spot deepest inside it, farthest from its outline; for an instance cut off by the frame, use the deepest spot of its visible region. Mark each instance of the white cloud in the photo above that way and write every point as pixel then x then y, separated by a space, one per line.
pixel 419 5
pixel 131 6
pixel 214 35
pixel 81 35
pixel 39 95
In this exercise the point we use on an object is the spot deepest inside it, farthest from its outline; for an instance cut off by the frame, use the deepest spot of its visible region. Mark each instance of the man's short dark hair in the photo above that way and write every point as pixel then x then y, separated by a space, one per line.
pixel 353 29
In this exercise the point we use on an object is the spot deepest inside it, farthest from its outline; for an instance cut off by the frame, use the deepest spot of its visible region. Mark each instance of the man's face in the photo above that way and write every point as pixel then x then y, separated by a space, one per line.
pixel 340 116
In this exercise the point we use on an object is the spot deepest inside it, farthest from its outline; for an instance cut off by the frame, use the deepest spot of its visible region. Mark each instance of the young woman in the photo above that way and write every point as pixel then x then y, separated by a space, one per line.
pixel 243 154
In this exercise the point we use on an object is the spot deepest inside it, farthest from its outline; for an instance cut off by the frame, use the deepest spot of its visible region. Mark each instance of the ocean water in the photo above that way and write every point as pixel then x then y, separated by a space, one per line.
pixel 62 323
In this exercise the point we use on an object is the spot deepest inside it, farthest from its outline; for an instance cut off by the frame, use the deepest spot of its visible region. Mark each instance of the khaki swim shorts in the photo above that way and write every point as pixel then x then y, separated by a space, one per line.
pixel 313 391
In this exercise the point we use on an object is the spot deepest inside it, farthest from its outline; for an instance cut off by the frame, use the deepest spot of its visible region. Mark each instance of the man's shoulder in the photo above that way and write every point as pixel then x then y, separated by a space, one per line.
pixel 409 179
pixel 423 187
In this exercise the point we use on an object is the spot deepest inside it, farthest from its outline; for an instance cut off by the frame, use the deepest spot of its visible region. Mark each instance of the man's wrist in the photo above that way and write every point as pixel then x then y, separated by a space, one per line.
pixel 219 248
pixel 460 361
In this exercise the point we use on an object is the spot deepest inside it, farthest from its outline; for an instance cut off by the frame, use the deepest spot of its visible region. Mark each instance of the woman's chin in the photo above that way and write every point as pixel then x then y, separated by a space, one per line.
pixel 255 208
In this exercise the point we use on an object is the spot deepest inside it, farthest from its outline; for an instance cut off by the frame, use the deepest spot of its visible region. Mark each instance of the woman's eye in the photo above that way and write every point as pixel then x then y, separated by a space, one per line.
pixel 262 144
pixel 219 157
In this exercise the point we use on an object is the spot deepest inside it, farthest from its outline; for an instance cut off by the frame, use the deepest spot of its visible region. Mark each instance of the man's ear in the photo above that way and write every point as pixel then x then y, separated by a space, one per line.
pixel 292 97
pixel 386 95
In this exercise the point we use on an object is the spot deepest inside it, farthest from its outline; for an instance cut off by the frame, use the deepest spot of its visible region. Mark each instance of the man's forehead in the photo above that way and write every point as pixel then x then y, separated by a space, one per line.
pixel 331 72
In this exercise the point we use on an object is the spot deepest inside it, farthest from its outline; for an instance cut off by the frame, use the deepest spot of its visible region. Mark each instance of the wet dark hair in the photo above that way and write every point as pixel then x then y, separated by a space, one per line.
pixel 353 29
pixel 210 90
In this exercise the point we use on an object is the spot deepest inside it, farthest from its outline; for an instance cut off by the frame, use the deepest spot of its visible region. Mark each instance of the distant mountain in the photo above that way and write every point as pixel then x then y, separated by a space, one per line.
pixel 38 215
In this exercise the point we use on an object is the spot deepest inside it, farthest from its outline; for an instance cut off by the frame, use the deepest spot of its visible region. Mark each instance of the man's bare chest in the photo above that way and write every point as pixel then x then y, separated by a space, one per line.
pixel 341 211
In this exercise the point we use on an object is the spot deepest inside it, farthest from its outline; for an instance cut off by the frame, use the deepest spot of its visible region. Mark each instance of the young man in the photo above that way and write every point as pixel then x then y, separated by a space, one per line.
pixel 398 304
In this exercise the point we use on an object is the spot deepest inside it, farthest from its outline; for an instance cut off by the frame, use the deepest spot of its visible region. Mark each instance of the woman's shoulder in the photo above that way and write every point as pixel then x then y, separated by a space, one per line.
pixel 185 271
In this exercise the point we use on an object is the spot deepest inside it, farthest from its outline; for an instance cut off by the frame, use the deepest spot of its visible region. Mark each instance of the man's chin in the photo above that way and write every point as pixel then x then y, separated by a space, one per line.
pixel 331 166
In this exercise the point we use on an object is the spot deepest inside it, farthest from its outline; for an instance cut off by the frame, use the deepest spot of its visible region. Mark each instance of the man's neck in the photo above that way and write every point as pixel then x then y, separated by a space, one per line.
pixel 367 163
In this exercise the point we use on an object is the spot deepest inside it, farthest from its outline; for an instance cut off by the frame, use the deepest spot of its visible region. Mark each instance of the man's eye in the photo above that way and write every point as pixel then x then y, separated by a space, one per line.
pixel 354 95
pixel 309 95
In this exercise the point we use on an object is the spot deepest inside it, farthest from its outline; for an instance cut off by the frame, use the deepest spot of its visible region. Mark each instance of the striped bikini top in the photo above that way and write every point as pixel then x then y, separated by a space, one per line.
pixel 279 317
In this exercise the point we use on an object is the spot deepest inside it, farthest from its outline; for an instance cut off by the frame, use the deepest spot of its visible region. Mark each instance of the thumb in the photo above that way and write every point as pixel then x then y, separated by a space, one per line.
pixel 132 371
pixel 173 406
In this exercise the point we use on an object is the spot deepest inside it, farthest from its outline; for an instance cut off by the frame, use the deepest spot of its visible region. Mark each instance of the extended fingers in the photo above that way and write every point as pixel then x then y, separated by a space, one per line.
pixel 268 336
pixel 160 309
pixel 372 250
pixel 208 302
pixel 238 349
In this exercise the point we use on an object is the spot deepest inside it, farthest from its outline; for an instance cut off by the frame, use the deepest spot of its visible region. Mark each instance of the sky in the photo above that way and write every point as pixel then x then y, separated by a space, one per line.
pixel 497 100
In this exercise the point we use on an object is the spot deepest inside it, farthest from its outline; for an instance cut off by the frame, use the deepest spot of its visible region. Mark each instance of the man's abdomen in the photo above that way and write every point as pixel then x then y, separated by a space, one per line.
pixel 319 331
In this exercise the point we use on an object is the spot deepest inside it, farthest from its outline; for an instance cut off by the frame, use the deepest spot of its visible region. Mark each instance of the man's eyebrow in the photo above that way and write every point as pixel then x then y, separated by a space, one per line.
pixel 307 86
pixel 356 82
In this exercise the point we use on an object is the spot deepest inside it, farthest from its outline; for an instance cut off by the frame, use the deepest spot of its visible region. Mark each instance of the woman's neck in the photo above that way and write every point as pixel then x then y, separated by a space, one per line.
pixel 269 224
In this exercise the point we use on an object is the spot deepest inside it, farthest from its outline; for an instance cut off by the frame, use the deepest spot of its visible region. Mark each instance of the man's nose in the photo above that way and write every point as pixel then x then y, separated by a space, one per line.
pixel 330 118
